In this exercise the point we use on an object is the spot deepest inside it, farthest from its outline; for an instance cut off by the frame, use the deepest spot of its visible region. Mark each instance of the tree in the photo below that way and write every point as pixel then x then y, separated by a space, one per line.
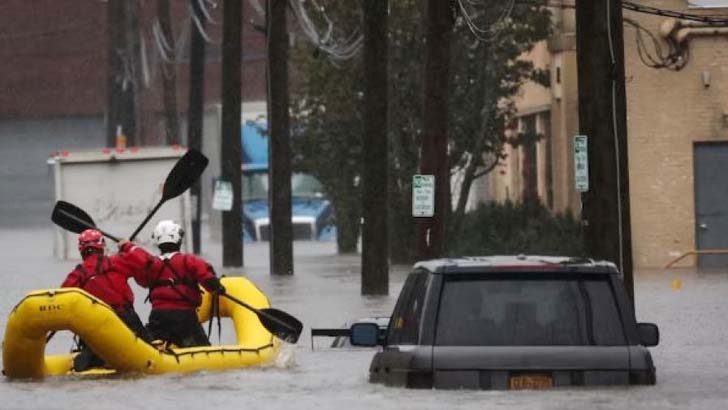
pixel 486 73
pixel 326 104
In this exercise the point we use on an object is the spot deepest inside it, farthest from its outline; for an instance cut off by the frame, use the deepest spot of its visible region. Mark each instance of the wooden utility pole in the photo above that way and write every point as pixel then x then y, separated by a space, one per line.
pixel 232 240
pixel 169 75
pixel 115 12
pixel 124 73
pixel 430 231
pixel 195 112
pixel 281 231
pixel 375 247
pixel 602 118
pixel 133 67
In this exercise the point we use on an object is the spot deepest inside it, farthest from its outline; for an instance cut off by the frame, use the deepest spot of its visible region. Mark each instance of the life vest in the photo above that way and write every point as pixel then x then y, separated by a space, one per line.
pixel 106 284
pixel 173 283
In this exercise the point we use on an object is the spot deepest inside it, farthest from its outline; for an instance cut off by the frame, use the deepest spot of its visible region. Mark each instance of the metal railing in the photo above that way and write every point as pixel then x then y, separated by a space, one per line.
pixel 696 252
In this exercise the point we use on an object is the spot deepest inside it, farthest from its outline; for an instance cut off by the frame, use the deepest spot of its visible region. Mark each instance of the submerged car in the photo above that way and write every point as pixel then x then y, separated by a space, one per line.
pixel 511 322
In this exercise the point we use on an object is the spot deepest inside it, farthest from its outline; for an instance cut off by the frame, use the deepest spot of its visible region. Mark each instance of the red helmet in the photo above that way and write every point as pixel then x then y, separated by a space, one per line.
pixel 91 239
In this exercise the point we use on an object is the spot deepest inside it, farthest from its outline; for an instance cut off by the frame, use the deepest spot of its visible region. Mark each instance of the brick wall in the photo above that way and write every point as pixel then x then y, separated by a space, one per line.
pixel 667 112
pixel 53 58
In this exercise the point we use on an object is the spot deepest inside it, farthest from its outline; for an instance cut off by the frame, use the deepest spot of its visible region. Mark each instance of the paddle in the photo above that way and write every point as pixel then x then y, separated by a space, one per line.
pixel 185 172
pixel 74 219
pixel 278 322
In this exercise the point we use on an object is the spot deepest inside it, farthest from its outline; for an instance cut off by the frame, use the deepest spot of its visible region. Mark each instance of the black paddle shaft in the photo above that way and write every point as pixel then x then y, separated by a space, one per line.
pixel 185 172
pixel 278 322
pixel 144 222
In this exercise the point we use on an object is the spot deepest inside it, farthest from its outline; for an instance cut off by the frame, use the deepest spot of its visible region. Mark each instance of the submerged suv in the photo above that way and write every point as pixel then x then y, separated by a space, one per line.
pixel 511 322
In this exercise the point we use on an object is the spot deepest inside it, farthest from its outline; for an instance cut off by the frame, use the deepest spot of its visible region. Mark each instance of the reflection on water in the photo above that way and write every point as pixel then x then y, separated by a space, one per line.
pixel 325 292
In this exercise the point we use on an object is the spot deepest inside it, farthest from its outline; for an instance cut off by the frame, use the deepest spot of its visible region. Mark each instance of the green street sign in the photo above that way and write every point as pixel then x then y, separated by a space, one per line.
pixel 423 196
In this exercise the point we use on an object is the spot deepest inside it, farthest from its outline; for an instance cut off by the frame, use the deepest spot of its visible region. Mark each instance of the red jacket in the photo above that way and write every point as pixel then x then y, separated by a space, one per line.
pixel 106 276
pixel 174 279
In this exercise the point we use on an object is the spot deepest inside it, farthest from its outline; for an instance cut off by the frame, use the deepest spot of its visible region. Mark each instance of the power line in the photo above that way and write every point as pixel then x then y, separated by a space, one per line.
pixel 472 13
pixel 203 8
pixel 201 28
pixel 713 20
pixel 325 40
pixel 676 59
pixel 708 19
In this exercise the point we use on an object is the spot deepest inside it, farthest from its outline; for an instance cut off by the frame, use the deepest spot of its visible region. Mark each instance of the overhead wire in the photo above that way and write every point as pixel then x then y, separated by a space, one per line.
pixel 470 14
pixel 708 19
pixel 203 8
pixel 676 58
pixel 713 20
pixel 170 50
pixel 201 27
pixel 325 39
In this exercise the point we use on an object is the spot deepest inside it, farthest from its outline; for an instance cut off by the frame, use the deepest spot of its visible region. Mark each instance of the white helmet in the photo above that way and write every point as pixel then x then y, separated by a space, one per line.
pixel 167 231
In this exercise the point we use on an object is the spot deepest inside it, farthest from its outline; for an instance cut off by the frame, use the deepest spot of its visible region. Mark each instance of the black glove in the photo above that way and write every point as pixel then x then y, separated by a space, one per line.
pixel 214 285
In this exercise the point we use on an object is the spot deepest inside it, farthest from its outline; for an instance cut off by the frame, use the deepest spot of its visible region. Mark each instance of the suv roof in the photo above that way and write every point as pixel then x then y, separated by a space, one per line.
pixel 516 263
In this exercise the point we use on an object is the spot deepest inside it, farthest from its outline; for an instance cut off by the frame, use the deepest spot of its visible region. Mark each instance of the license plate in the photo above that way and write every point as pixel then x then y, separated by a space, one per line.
pixel 530 381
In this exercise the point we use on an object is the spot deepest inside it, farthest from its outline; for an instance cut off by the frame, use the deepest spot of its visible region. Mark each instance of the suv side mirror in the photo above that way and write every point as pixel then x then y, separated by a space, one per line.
pixel 649 334
pixel 364 334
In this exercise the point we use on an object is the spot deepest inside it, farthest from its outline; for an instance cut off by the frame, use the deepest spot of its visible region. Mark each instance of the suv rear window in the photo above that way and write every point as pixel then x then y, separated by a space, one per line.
pixel 518 310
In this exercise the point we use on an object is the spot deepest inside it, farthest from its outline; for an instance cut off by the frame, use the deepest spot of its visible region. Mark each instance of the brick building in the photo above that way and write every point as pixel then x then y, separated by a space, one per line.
pixel 677 133
pixel 53 73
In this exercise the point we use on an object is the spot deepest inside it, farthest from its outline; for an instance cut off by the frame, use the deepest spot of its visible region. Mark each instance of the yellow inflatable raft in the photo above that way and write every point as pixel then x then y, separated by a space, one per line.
pixel 96 323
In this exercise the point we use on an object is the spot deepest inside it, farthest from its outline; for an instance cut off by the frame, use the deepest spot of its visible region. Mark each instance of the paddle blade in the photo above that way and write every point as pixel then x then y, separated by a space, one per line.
pixel 185 172
pixel 281 324
pixel 72 218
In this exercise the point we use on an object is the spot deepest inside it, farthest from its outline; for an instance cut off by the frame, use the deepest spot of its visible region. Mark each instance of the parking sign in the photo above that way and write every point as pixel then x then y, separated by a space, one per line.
pixel 423 196
pixel 222 198
pixel 581 163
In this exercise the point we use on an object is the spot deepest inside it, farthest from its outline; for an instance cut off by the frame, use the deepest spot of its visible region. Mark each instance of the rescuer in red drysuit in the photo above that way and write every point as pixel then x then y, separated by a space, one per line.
pixel 173 279
pixel 106 278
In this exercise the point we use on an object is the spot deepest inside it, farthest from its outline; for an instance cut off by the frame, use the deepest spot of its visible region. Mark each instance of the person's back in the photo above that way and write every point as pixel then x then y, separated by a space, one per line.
pixel 103 277
pixel 173 280
pixel 106 277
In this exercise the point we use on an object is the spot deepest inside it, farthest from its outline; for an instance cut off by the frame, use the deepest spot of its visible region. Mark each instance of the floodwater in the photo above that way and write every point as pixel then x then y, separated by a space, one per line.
pixel 691 360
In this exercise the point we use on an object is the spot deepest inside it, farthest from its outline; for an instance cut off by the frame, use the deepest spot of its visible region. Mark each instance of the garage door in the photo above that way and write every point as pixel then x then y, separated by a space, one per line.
pixel 25 179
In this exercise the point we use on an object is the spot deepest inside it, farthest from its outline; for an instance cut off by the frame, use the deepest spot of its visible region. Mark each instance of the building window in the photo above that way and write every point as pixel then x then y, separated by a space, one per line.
pixel 549 167
pixel 536 158
pixel 529 136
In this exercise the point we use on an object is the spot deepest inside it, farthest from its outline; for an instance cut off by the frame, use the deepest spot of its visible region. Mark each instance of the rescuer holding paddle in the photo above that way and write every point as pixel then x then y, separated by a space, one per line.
pixel 173 279
pixel 106 277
